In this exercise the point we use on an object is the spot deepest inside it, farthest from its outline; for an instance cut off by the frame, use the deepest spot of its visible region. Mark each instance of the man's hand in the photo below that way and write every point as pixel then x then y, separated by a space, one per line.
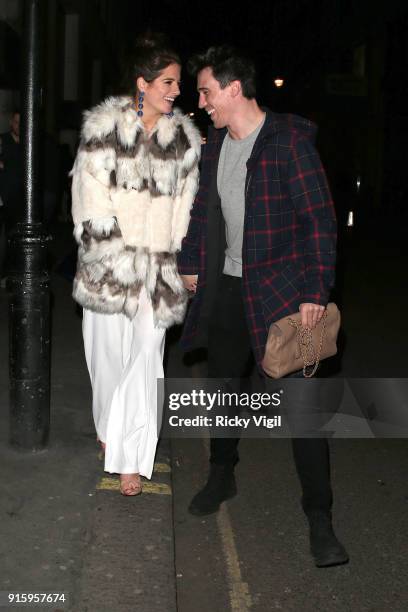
pixel 311 314
pixel 189 281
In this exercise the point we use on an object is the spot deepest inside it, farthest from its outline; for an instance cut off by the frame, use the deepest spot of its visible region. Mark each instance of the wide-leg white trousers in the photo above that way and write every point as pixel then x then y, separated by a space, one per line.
pixel 125 359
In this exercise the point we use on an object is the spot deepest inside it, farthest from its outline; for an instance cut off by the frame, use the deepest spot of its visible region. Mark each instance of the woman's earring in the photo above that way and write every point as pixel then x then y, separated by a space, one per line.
pixel 140 104
pixel 170 115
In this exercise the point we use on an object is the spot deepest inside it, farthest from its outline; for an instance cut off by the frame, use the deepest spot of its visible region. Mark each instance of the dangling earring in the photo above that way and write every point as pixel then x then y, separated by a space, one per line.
pixel 170 115
pixel 140 105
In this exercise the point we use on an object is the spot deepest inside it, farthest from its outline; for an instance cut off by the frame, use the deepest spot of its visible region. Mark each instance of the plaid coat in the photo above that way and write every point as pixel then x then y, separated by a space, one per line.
pixel 289 242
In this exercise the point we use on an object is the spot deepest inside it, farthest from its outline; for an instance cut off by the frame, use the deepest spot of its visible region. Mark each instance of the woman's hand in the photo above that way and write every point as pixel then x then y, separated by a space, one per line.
pixel 189 281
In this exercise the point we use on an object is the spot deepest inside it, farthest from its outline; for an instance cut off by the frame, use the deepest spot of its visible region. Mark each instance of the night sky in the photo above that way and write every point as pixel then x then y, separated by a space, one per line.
pixel 280 42
pixel 297 39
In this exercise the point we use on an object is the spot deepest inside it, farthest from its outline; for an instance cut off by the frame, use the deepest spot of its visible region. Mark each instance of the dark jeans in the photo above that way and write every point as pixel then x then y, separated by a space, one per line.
pixel 230 356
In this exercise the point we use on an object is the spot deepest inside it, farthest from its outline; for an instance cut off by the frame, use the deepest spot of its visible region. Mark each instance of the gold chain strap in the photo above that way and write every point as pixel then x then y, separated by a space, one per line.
pixel 305 342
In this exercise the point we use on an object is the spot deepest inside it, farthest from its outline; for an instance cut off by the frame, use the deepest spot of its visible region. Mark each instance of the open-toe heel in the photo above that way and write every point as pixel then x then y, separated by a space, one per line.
pixel 130 484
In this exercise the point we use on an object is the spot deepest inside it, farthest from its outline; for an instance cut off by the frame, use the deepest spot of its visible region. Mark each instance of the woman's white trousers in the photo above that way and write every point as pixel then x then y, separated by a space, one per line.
pixel 125 359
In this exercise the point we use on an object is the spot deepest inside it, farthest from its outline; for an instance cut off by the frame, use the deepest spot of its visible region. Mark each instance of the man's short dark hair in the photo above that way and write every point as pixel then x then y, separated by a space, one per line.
pixel 227 64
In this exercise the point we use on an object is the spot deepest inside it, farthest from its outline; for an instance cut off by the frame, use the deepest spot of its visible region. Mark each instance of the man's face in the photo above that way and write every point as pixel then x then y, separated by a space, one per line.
pixel 15 125
pixel 217 102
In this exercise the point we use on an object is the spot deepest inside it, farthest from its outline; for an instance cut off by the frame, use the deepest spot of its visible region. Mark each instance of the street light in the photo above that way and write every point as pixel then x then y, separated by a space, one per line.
pixel 279 82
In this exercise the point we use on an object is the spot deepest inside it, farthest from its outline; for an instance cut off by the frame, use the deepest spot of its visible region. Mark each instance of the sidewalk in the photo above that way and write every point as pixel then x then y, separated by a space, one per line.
pixel 65 528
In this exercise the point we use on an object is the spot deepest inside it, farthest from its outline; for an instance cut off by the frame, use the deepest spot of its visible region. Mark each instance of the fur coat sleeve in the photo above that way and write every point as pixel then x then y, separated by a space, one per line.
pixel 90 191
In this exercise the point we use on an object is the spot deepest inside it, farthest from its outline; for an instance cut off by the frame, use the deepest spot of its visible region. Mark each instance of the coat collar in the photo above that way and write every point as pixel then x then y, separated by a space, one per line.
pixel 129 125
pixel 274 122
pixel 119 114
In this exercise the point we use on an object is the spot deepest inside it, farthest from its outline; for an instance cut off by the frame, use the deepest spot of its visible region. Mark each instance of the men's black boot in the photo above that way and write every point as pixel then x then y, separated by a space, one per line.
pixel 324 545
pixel 220 487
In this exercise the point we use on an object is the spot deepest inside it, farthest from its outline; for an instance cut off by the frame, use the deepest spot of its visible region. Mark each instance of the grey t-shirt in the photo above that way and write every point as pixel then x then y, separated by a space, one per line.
pixel 231 176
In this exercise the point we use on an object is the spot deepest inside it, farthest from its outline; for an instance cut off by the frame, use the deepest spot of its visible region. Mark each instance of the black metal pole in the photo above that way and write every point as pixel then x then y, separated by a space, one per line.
pixel 28 279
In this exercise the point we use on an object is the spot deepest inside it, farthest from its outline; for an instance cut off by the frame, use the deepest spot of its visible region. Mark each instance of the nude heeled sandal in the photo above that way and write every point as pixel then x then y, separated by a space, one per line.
pixel 132 485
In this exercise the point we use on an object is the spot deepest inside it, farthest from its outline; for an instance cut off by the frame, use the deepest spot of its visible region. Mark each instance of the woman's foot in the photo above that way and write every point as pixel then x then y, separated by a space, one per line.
pixel 130 484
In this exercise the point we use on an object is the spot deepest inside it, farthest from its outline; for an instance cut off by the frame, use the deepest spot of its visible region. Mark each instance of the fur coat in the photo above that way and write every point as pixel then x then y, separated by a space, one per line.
pixel 131 201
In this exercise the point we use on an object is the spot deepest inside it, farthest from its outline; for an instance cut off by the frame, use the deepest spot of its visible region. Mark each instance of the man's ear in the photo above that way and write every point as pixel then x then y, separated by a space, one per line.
pixel 235 88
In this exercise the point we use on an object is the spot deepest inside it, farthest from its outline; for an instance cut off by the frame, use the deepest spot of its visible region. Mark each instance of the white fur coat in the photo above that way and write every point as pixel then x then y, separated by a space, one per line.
pixel 131 201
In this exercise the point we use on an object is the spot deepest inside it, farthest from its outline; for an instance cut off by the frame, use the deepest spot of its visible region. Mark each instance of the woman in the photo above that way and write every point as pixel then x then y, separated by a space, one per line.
pixel 134 180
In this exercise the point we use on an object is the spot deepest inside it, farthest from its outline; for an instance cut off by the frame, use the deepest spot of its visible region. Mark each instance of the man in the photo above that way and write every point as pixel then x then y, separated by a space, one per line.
pixel 10 180
pixel 260 245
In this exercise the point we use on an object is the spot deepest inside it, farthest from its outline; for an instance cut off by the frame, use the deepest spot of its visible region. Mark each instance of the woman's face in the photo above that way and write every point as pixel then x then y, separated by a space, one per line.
pixel 159 95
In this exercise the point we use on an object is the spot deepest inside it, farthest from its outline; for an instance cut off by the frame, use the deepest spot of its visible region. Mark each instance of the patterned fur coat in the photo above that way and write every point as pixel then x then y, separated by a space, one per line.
pixel 131 201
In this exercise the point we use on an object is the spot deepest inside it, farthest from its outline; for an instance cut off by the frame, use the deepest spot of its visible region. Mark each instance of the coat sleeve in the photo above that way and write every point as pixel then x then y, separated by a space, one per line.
pixel 96 228
pixel 90 188
pixel 187 183
pixel 188 259
pixel 311 197
pixel 102 254
pixel 187 189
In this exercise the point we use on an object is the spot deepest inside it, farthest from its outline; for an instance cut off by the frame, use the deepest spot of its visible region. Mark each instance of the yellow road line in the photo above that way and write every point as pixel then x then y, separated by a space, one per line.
pixel 112 484
pixel 240 598
pixel 157 487
pixel 162 467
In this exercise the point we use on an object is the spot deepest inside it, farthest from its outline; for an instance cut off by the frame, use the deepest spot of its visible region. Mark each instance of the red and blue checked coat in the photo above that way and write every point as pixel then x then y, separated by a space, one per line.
pixel 289 241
